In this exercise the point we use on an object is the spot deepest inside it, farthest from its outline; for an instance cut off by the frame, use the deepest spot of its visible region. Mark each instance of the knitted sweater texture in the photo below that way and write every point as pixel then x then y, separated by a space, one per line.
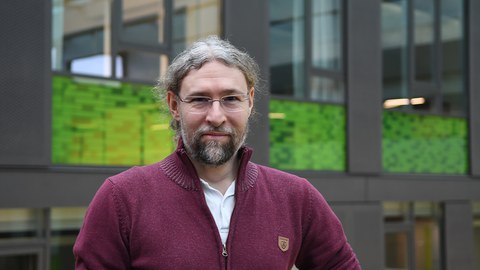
pixel 156 217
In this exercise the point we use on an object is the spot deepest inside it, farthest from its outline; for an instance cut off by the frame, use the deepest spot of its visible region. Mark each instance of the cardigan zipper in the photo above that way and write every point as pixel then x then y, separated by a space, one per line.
pixel 225 255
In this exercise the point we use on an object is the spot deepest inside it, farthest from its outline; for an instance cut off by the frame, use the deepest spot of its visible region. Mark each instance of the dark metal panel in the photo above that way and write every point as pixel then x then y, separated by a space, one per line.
pixel 76 187
pixel 473 37
pixel 363 226
pixel 44 188
pixel 458 235
pixel 246 25
pixel 364 84
pixel 25 84
pixel 340 189
pixel 422 188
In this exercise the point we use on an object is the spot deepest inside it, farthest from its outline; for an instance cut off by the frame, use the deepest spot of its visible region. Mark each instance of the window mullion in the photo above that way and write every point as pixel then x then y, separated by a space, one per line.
pixel 308 47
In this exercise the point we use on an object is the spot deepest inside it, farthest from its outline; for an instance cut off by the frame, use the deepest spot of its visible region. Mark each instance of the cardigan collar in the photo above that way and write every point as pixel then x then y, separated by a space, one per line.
pixel 179 168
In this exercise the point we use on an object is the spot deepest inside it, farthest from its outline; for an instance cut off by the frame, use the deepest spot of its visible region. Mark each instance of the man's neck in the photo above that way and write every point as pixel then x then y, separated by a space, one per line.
pixel 218 177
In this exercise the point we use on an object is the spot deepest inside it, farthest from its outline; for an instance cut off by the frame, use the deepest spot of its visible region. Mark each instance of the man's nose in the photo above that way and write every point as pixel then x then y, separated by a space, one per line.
pixel 216 114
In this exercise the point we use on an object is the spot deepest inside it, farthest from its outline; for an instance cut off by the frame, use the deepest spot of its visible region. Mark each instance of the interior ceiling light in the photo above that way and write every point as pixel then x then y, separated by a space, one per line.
pixel 397 102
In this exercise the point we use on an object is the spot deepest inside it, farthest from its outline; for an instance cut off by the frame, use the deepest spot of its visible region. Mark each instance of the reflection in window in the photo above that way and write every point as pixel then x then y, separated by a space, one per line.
pixel 326 83
pixel 21 223
pixel 65 225
pixel 476 234
pixel 307 66
pixel 394 43
pixel 194 20
pixel 326 89
pixel 143 66
pixel 80 29
pixel 326 34
pixel 287 48
pixel 423 39
pixel 423 59
pixel 412 235
pixel 396 244
pixel 427 235
pixel 19 262
pixel 84 41
pixel 143 21
pixel 423 56
pixel 96 65
pixel 452 44
pixel 22 230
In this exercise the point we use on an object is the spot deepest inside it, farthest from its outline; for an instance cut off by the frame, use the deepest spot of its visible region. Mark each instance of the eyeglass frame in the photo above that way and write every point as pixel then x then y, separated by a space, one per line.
pixel 210 101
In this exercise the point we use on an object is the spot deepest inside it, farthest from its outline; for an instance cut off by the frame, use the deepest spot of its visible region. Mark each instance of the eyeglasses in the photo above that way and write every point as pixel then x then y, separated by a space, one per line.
pixel 201 104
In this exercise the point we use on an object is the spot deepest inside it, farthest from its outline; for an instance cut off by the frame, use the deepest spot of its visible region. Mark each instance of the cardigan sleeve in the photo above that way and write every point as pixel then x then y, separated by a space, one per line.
pixel 324 245
pixel 101 243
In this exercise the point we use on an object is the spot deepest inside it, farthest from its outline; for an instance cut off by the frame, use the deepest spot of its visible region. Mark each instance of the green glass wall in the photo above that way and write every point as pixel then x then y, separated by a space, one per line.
pixel 414 143
pixel 307 136
pixel 104 122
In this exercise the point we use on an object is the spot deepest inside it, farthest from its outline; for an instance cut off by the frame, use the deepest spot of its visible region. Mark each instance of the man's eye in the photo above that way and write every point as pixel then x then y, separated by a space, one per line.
pixel 232 99
pixel 199 99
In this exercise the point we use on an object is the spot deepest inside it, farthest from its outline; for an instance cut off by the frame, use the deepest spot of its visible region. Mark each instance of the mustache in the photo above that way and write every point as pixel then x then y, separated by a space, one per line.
pixel 207 129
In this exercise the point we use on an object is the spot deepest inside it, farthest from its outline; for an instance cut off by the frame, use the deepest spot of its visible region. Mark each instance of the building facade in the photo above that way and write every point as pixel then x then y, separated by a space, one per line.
pixel 375 102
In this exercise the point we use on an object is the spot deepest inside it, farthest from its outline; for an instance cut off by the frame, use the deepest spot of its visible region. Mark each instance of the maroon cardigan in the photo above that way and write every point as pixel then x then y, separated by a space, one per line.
pixel 156 217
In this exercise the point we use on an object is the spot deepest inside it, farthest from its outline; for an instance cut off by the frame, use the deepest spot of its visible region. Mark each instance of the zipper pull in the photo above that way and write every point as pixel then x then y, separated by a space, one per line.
pixel 224 252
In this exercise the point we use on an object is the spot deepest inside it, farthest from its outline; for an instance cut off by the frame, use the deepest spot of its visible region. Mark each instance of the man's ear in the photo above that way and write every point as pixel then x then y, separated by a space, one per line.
pixel 251 95
pixel 173 105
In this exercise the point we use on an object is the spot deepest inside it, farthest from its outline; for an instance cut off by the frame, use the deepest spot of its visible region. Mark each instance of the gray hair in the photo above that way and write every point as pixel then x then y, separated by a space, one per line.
pixel 201 52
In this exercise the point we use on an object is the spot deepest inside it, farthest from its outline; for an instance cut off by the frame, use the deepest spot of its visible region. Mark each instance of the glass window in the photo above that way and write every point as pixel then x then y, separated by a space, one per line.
pixel 452 44
pixel 395 51
pixel 326 76
pixel 193 20
pixel 476 234
pixel 81 33
pixel 396 246
pixel 65 225
pixel 427 235
pixel 423 59
pixel 425 129
pixel 20 223
pixel 19 262
pixel 326 34
pixel 287 48
pixel 423 17
pixel 143 21
pixel 412 235
pixel 85 41
pixel 327 89
pixel 143 66
pixel 307 67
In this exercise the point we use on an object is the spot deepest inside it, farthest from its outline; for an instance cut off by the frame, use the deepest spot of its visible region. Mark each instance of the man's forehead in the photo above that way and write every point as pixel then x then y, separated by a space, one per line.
pixel 214 77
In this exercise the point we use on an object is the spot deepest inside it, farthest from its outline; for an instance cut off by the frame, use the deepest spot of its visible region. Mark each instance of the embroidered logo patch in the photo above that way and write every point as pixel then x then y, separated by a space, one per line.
pixel 283 243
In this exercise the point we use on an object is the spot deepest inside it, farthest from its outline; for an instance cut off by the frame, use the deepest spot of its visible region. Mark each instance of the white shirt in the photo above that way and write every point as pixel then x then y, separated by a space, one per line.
pixel 221 207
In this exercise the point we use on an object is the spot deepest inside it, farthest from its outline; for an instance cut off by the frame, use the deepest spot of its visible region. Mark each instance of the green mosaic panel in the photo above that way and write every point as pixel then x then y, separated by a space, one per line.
pixel 101 122
pixel 415 143
pixel 307 136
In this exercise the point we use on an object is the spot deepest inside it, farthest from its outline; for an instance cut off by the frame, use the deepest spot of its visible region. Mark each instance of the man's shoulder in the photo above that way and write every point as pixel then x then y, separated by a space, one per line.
pixel 273 177
pixel 273 173
pixel 136 174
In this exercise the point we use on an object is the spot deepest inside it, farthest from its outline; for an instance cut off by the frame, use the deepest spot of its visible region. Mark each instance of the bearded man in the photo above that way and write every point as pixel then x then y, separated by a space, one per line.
pixel 207 206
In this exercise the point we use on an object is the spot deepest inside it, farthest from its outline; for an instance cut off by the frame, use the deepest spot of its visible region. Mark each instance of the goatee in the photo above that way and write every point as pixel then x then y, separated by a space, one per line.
pixel 213 153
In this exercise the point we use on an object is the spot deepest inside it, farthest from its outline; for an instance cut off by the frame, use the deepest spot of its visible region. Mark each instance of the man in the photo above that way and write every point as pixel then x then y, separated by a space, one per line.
pixel 206 206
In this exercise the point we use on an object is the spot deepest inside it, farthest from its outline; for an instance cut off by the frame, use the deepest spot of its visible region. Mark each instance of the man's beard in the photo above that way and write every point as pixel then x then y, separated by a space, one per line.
pixel 213 153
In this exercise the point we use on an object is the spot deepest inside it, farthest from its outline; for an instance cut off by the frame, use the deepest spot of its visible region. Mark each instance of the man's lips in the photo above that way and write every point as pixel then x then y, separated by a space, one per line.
pixel 215 135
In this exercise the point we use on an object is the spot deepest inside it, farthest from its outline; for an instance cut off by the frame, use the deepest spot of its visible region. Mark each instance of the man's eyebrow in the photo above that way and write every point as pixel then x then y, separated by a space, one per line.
pixel 224 92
